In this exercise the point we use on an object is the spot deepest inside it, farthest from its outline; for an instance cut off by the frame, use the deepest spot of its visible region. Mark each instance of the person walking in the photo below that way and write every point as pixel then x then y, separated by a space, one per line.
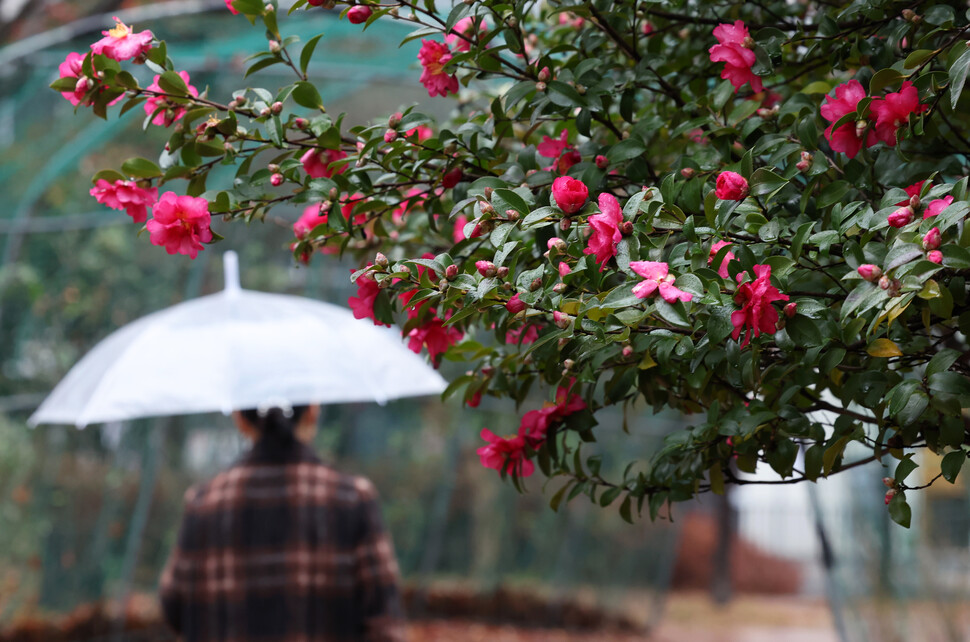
pixel 282 548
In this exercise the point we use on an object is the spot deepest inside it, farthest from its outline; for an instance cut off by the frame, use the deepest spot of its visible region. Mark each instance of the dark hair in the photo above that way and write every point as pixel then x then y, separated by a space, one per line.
pixel 276 425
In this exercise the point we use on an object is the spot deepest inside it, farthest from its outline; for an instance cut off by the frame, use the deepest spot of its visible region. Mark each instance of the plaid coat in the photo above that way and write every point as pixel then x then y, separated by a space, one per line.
pixel 281 548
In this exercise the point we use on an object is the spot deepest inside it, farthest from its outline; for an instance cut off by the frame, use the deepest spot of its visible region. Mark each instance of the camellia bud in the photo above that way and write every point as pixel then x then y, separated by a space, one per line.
pixel 540 86
pixel 544 75
pixel 626 228
pixel 627 352
pixel 601 161
pixel 869 272
pixel 276 179
pixel 486 268
pixel 451 271
pixel 502 272
pixel 562 342
pixel 511 215
pixel 884 282
pixel 559 288
pixel 894 287
pixel 380 260
pixel 359 14
pixel 803 165
pixel 394 120
pixel 274 46
pixel 561 319
pixel 568 364
pixel 486 208
pixel 536 284
pixel 384 283
pixel 515 305
pixel 748 42
pixel 487 371
pixel 910 16
pixel 265 112
pixel 806 156
pixel 890 494
pixel 914 201
pixel 791 309
pixel 556 243
pixel 276 108
pixel 488 191
pixel 932 239
pixel 300 123
pixel 687 172
pixel 390 135
pixel 442 285
pixel 889 482
pixel 564 223
pixel 901 217
pixel 935 257
pixel 273 167
pixel 269 8
pixel 860 128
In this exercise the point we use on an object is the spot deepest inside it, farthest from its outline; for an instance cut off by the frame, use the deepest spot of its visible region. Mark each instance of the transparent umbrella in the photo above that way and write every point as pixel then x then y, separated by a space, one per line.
pixel 237 349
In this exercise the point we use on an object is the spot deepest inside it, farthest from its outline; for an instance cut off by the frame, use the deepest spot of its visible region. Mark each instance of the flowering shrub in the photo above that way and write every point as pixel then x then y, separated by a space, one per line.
pixel 752 213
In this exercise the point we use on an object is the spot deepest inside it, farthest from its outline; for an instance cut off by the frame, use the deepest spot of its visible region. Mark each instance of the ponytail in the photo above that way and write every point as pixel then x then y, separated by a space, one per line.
pixel 276 424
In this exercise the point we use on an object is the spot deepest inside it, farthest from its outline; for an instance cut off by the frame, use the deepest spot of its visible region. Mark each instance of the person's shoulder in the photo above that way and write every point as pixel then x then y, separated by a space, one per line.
pixel 199 495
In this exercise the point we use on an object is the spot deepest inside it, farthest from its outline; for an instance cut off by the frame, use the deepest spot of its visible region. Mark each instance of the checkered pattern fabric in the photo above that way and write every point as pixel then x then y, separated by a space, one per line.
pixel 281 548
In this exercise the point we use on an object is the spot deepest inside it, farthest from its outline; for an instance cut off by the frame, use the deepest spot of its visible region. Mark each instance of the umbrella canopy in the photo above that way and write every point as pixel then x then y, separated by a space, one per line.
pixel 233 350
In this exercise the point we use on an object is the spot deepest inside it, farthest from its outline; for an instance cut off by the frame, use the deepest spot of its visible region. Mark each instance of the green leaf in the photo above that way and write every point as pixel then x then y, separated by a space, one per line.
pixel 306 95
pixel 140 168
pixel 951 464
pixel 899 510
pixel 764 181
pixel 306 54
pixel 626 150
pixel 904 468
pixel 884 78
pixel 172 83
pixel 958 75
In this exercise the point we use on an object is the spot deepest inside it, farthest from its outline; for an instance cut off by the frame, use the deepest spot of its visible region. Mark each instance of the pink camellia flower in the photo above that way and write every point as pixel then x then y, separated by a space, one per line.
pixel 180 224
pixel 657 279
pixel 756 313
pixel 318 163
pixel 505 453
pixel 570 194
pixel 901 217
pixel 522 336
pixel 849 137
pixel 564 269
pixel 122 43
pixel 363 303
pixel 433 57
pixel 937 206
pixel 451 178
pixel 413 199
pixel 458 233
pixel 559 148
pixel 869 272
pixel 436 337
pixel 359 13
pixel 893 111
pixel 423 133
pixel 606 231
pixel 731 186
pixel 126 195
pixel 935 257
pixel 932 239
pixel 722 269
pixel 553 147
pixel 167 111
pixel 911 191
pixel 536 423
pixel 311 217
pixel 71 68
pixel 463 33
pixel 735 50
pixel 791 309
pixel 231 8
pixel 515 304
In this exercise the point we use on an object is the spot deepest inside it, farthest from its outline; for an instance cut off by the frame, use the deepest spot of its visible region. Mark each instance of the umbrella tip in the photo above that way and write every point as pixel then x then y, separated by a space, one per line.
pixel 230 268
